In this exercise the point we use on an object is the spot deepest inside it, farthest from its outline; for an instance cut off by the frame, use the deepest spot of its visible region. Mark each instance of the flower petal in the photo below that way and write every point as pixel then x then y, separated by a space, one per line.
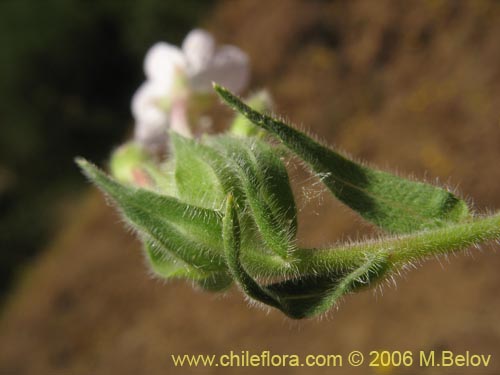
pixel 163 61
pixel 229 68
pixel 198 47
pixel 148 104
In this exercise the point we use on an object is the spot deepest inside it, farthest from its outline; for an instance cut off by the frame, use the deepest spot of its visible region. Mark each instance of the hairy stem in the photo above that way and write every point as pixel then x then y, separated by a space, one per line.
pixel 400 250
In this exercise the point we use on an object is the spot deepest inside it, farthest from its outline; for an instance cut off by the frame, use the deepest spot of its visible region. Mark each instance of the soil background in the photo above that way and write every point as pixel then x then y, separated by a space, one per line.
pixel 412 86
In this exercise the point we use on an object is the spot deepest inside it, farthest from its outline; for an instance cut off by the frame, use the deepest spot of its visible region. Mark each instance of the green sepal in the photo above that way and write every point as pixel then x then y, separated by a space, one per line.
pixel 395 204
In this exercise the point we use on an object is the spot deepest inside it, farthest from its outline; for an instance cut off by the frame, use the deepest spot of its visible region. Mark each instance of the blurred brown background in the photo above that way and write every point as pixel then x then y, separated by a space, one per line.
pixel 412 86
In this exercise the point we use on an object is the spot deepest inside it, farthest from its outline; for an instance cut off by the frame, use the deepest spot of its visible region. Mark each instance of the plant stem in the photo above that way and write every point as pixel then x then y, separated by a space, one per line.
pixel 400 250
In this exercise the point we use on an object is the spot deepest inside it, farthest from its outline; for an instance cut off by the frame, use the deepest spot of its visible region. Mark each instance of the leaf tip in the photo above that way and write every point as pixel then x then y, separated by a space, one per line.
pixel 218 88
pixel 86 167
pixel 224 93
pixel 80 161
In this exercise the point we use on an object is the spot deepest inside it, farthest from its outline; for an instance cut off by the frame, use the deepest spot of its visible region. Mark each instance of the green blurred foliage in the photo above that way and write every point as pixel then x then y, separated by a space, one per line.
pixel 68 69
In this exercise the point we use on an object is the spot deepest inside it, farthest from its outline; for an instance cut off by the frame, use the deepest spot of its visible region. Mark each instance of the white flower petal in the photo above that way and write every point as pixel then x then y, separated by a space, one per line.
pixel 151 117
pixel 146 104
pixel 198 47
pixel 229 67
pixel 163 61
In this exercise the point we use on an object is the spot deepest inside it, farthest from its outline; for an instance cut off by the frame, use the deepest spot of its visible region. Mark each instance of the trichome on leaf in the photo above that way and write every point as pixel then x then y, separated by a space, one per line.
pixel 221 209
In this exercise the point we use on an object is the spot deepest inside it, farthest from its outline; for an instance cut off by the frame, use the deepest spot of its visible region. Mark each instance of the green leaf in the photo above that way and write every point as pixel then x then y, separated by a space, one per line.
pixel 196 181
pixel 311 295
pixel 267 190
pixel 261 101
pixel 167 267
pixel 402 250
pixel 231 234
pixel 191 234
pixel 252 171
pixel 322 277
pixel 301 297
pixel 394 204
pixel 216 281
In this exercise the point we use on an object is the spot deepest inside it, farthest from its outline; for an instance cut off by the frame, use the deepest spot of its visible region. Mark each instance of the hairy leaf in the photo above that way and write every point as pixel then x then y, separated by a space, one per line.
pixel 191 234
pixel 196 181
pixel 312 295
pixel 305 296
pixel 394 204
pixel 231 234
pixel 267 190
pixel 166 266
pixel 241 126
